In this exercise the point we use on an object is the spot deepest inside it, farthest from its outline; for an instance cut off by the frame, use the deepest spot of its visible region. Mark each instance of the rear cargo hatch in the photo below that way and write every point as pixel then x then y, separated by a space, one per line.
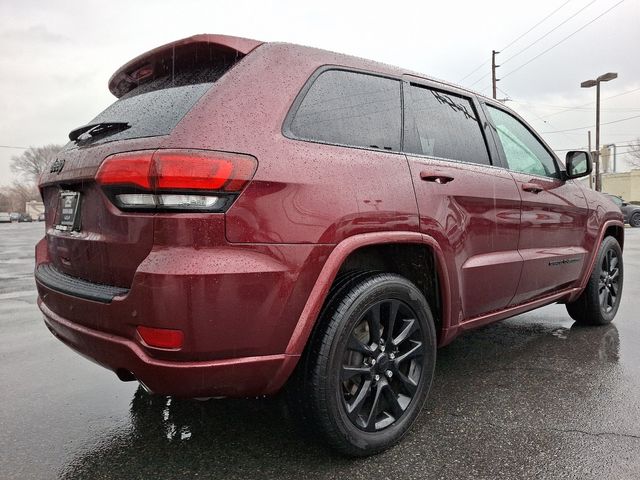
pixel 102 243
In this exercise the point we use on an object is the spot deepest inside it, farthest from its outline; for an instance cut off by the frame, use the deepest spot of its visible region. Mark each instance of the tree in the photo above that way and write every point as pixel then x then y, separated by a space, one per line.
pixel 5 203
pixel 34 161
pixel 634 153
pixel 19 194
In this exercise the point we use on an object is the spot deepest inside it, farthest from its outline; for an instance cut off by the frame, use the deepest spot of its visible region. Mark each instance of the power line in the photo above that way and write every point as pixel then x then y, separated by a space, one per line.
pixel 592 102
pixel 537 40
pixel 610 109
pixel 618 95
pixel 592 126
pixel 12 146
pixel 473 71
pixel 535 114
pixel 512 42
pixel 540 22
pixel 561 41
pixel 580 107
pixel 549 32
pixel 481 78
pixel 569 149
pixel 618 145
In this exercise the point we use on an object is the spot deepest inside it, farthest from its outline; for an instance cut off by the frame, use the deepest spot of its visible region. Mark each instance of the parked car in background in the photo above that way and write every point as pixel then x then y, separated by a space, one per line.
pixel 41 217
pixel 5 217
pixel 15 216
pixel 25 217
pixel 314 222
pixel 630 211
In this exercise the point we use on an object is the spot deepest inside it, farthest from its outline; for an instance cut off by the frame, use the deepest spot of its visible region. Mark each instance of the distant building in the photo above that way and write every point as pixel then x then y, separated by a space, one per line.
pixel 625 185
pixel 34 208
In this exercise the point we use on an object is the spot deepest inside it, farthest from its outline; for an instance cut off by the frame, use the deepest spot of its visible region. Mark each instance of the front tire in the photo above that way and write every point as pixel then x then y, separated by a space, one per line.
pixel 369 366
pixel 634 221
pixel 599 302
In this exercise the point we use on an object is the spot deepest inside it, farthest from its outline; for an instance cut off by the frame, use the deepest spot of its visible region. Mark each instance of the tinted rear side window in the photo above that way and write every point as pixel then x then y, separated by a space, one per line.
pixel 443 125
pixel 350 108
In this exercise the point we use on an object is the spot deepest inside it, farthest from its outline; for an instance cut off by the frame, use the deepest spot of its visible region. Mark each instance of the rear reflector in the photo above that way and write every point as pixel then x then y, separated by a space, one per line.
pixel 161 337
pixel 175 179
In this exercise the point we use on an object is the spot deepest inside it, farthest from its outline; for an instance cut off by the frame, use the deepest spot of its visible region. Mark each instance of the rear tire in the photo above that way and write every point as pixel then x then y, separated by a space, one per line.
pixel 599 302
pixel 368 367
pixel 634 221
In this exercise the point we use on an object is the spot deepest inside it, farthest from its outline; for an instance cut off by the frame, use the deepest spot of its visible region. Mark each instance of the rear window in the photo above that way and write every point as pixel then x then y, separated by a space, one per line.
pixel 155 108
pixel 350 108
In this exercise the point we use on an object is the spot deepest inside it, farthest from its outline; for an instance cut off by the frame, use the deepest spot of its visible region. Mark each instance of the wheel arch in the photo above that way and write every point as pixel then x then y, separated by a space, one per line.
pixel 386 251
pixel 616 231
pixel 614 228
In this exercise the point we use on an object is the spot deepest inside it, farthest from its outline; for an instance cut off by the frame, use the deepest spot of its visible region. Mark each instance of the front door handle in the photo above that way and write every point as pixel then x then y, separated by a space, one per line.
pixel 435 177
pixel 532 187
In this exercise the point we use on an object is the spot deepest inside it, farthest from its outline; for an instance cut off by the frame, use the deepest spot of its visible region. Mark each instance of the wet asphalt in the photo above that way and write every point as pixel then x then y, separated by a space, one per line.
pixel 531 397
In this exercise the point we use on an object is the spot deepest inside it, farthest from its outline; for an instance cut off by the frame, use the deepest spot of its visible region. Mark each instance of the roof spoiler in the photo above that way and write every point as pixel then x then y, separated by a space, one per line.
pixel 134 72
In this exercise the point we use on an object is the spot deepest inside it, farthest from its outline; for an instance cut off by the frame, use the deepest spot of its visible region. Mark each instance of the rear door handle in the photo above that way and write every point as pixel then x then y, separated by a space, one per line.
pixel 435 177
pixel 531 187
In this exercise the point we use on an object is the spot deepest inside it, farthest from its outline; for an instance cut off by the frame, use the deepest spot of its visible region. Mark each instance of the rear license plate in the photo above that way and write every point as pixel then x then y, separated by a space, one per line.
pixel 69 208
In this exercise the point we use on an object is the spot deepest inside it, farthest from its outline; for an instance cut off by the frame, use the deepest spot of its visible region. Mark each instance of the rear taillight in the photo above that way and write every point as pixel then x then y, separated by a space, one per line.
pixel 183 180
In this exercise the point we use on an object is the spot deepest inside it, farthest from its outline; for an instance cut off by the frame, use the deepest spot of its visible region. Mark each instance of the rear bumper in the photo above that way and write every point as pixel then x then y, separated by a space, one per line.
pixel 229 377
pixel 237 307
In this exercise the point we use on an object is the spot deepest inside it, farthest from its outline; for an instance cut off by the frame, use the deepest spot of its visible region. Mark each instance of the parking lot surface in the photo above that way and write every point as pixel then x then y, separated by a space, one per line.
pixel 531 397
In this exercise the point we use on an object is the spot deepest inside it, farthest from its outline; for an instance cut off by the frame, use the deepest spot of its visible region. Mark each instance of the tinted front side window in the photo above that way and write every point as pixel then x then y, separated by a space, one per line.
pixel 523 151
pixel 350 109
pixel 443 125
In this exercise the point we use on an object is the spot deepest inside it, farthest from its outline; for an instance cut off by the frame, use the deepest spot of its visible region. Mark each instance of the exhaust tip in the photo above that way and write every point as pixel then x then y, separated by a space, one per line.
pixel 125 375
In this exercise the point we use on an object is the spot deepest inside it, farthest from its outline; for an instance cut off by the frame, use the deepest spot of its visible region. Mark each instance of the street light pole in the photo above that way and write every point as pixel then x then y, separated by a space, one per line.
pixel 598 177
pixel 596 83
pixel 590 176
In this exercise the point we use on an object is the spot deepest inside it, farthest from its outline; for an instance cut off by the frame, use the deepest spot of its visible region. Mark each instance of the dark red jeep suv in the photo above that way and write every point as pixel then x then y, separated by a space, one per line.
pixel 248 215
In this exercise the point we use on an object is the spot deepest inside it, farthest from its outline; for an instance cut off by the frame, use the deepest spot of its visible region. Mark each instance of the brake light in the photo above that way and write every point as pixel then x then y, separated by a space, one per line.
pixel 188 180
pixel 161 337
pixel 130 169
pixel 192 172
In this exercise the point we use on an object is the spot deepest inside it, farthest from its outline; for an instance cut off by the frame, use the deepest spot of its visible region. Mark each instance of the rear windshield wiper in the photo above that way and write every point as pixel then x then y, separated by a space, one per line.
pixel 94 129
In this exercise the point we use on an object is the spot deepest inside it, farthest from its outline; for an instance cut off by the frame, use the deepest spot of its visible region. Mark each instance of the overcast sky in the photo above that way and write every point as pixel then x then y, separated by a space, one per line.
pixel 56 57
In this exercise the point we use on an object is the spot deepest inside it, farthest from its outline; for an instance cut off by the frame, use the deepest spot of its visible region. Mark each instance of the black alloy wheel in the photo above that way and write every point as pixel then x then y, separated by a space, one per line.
pixel 368 366
pixel 599 301
pixel 382 365
pixel 608 286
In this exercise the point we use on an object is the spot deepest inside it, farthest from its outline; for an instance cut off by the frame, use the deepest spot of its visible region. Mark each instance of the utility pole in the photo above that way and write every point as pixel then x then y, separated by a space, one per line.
pixel 494 80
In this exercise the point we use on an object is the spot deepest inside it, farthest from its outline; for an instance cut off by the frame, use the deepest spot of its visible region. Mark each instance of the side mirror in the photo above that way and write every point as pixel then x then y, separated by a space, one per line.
pixel 578 164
